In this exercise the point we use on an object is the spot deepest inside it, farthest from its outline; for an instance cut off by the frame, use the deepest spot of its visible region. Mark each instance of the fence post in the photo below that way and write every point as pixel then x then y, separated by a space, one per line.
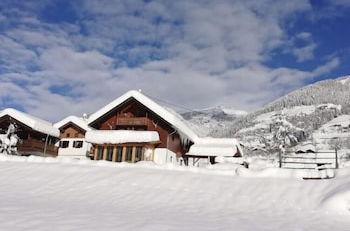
pixel 280 158
pixel 336 159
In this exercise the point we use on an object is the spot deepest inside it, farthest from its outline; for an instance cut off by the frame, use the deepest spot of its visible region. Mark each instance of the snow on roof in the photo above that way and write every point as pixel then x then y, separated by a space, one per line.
pixel 305 148
pixel 35 123
pixel 342 120
pixel 209 146
pixel 80 122
pixel 171 117
pixel 120 136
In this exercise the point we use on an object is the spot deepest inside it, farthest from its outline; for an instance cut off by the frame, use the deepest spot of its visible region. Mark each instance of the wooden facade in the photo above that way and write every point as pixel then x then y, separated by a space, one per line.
pixel 32 142
pixel 71 130
pixel 133 115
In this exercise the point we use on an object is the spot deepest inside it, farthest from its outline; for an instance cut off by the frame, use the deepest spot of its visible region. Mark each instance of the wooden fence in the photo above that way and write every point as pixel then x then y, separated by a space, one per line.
pixel 319 160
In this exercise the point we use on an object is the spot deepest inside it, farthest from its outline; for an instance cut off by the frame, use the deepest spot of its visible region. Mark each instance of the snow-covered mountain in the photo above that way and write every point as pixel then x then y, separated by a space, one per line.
pixel 308 108
pixel 214 120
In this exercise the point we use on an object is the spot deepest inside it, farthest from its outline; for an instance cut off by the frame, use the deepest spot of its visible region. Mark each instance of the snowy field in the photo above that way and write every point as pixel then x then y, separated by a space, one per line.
pixel 47 194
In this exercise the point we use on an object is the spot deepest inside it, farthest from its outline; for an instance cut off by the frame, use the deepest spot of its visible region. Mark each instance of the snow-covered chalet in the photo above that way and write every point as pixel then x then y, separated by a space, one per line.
pixel 135 128
pixel 33 136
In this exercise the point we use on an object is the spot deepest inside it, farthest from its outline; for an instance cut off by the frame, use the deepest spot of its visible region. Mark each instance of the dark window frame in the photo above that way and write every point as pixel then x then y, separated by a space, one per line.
pixel 64 144
pixel 77 144
pixel 128 153
pixel 138 154
pixel 100 150
pixel 119 154
pixel 109 155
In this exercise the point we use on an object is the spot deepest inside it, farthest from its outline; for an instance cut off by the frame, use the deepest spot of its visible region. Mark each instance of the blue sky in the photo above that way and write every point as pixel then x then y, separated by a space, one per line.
pixel 63 57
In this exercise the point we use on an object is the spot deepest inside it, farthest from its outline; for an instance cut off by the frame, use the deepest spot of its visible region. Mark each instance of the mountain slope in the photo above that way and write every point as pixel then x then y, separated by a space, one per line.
pixel 210 121
pixel 307 108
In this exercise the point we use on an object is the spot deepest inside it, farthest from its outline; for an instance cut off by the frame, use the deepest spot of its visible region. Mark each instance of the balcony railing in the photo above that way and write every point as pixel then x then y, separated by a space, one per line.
pixel 37 146
pixel 132 121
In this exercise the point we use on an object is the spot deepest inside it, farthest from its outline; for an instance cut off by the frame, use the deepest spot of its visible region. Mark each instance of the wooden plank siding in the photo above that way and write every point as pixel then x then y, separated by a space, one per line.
pixel 71 130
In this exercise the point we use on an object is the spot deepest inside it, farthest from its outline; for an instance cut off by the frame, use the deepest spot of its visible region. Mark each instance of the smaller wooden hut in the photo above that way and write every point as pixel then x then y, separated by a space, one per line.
pixel 37 136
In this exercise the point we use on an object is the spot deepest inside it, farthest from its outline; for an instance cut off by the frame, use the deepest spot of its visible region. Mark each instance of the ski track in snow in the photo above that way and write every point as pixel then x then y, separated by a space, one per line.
pixel 64 196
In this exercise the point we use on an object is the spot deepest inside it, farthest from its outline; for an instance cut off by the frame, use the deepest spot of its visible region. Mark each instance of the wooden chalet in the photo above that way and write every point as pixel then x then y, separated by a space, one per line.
pixel 37 136
pixel 134 128
pixel 72 137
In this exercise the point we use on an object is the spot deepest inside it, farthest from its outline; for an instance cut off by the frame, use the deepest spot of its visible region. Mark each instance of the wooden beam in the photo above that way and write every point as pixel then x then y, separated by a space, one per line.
pixel 104 152
pixel 114 157
pixel 124 154
pixel 133 155
pixel 95 152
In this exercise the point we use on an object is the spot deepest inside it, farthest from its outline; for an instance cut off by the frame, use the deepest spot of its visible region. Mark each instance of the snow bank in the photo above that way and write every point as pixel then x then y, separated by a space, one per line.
pixel 121 136
pixel 285 173
pixel 338 199
pixel 217 169
pixel 97 195
pixel 31 121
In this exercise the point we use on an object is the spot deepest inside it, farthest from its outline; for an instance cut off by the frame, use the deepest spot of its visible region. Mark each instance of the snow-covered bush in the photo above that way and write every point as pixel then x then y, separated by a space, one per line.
pixel 9 140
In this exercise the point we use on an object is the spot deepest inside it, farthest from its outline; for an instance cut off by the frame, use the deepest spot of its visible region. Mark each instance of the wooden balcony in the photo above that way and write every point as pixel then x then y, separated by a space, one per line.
pixel 34 146
pixel 139 121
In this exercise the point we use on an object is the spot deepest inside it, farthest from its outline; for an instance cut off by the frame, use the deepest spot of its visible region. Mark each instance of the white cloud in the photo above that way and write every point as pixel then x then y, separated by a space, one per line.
pixel 192 53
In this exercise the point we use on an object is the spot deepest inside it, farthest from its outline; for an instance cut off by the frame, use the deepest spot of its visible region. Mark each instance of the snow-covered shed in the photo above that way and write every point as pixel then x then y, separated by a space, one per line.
pixel 211 148
pixel 72 133
pixel 139 129
pixel 37 136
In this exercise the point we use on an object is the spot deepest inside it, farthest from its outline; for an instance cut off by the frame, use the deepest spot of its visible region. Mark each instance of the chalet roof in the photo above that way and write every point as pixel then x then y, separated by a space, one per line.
pixel 209 146
pixel 80 122
pixel 35 123
pixel 121 136
pixel 342 120
pixel 172 118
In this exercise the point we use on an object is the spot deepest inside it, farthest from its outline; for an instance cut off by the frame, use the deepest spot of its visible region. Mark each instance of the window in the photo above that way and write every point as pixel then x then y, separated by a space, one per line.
pixel 109 153
pixel 99 153
pixel 64 144
pixel 119 154
pixel 68 135
pixel 77 144
pixel 128 155
pixel 138 155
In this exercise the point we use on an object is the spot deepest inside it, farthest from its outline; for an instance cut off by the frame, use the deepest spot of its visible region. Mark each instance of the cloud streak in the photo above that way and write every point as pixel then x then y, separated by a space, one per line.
pixel 193 53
